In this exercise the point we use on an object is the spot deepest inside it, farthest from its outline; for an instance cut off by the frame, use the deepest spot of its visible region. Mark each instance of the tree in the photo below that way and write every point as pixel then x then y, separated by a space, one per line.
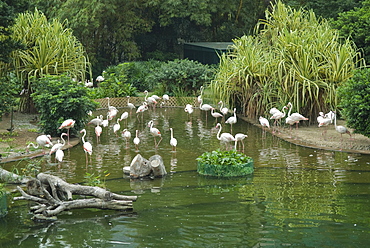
pixel 354 97
pixel 356 25
pixel 59 98
pixel 50 49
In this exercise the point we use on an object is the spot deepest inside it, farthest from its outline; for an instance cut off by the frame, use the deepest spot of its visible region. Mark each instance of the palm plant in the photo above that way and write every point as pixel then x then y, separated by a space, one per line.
pixel 294 57
pixel 50 48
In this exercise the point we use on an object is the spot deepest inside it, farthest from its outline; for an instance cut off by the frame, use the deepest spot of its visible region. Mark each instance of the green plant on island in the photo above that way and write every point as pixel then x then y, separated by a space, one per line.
pixel 224 163
pixel 95 180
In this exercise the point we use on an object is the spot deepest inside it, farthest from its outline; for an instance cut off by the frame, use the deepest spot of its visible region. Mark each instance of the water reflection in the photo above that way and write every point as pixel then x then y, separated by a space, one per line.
pixel 296 196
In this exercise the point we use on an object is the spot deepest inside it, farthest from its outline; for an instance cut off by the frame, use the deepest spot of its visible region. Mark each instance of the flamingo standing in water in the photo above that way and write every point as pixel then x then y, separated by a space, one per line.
pixel 189 109
pixel 137 140
pixel 116 127
pixel 150 100
pixel 155 132
pixel 240 137
pixel 59 155
pixel 124 116
pixel 215 114
pixel 205 107
pixel 200 96
pixel 224 137
pixel 173 141
pixel 126 135
pixel 58 145
pixel 130 105
pixel 232 120
pixel 141 110
pixel 86 145
pixel 223 109
pixel 98 131
pixel 67 124
pixel 264 123
pixel 165 98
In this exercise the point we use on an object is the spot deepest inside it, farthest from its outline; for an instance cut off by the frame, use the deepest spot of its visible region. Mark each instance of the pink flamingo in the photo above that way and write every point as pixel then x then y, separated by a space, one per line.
pixel 67 124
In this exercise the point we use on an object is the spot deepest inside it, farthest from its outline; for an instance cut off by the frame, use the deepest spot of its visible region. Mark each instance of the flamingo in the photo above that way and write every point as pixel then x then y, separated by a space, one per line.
pixel 98 131
pixel 215 114
pixel 112 113
pixel 59 155
pixel 296 116
pixel 42 140
pixel 189 109
pixel 240 137
pixel 89 84
pixel 137 140
pixel 96 121
pixel 173 141
pixel 223 109
pixel 341 130
pixel 58 145
pixel 127 135
pixel 205 107
pixel 116 127
pixel 150 100
pixel 224 137
pixel 165 98
pixel 105 122
pixel 67 124
pixel 141 110
pixel 86 145
pixel 155 132
pixel 232 120
pixel 277 116
pixel 200 96
pixel 264 123
pixel 323 121
pixel 124 116
pixel 109 106
pixel 99 79
pixel 130 105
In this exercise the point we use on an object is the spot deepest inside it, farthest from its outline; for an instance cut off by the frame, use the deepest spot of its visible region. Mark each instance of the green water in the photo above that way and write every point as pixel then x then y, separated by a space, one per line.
pixel 296 197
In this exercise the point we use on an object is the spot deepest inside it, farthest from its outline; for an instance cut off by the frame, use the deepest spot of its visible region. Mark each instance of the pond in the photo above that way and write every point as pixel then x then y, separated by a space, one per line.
pixel 296 196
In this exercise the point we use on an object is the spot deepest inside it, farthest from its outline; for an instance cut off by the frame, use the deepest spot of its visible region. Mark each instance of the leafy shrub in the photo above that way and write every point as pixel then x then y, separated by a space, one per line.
pixel 354 97
pixel 182 77
pixel 224 163
pixel 138 72
pixel 114 85
pixel 58 98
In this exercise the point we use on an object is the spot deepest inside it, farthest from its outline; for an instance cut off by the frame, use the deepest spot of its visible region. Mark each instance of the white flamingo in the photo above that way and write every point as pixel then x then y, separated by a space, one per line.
pixel 173 141
pixel 232 120
pixel 130 105
pixel 224 137
pixel 205 107
pixel 116 127
pixel 58 145
pixel 240 137
pixel 215 114
pixel 277 116
pixel 137 140
pixel 165 98
pixel 126 135
pixel 86 145
pixel 150 100
pixel 200 99
pixel 264 123
pixel 59 155
pixel 341 129
pixel 223 109
pixel 105 122
pixel 141 109
pixel 297 117
pixel 323 121
pixel 98 131
pixel 155 132
pixel 189 109
pixel 67 124
pixel 43 141
pixel 96 121
pixel 124 116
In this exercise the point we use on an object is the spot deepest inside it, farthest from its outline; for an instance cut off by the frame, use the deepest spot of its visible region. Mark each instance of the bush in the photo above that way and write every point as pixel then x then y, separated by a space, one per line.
pixel 224 163
pixel 354 97
pixel 115 84
pixel 10 89
pixel 58 98
pixel 181 77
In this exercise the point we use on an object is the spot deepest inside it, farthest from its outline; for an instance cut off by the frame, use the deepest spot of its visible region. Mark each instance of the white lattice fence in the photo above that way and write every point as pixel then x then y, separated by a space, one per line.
pixel 121 102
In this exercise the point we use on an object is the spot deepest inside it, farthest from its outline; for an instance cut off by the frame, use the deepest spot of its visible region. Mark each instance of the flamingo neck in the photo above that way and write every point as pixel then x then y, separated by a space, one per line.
pixel 37 146
pixel 61 136
pixel 219 131
pixel 171 133
pixel 83 137
pixel 290 109
pixel 146 96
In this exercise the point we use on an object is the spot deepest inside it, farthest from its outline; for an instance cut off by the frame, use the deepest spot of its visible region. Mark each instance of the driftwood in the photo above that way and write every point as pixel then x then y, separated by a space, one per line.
pixel 53 196
pixel 141 167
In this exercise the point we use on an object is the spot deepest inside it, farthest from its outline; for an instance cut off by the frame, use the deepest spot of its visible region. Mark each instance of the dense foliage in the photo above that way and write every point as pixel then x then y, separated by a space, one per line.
pixel 8 93
pixel 114 85
pixel 181 77
pixel 59 98
pixel 355 101
pixel 295 57
pixel 356 24
pixel 224 163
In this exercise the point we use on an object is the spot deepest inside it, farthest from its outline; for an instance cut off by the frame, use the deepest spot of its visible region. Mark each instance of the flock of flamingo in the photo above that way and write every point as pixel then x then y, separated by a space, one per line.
pixel 150 102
